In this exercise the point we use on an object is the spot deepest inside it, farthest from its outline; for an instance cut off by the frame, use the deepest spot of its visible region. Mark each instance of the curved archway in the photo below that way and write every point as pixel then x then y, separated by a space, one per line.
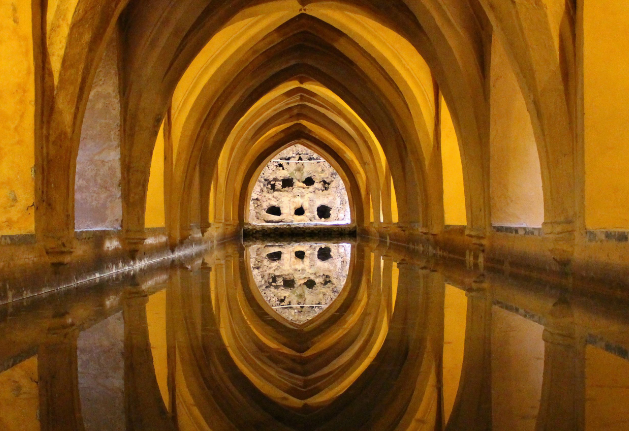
pixel 403 178
pixel 355 189
pixel 474 165
pixel 308 114
pixel 307 181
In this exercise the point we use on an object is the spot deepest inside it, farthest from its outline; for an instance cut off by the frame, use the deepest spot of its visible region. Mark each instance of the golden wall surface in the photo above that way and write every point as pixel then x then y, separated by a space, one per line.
pixel 606 85
pixel 453 187
pixel 155 216
pixel 17 111
pixel 516 180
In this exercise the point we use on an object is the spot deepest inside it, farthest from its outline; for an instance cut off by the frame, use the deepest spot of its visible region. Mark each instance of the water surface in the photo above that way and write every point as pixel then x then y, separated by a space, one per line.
pixel 313 336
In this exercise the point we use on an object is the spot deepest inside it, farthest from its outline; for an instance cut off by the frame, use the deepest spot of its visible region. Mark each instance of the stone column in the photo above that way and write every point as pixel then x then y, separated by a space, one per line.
pixel 436 321
pixel 560 239
pixel 472 408
pixel 59 400
pixel 563 388
pixel 144 406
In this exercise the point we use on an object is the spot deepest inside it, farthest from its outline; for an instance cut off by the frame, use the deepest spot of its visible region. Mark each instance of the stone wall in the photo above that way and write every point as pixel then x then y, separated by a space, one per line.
pixel 298 186
pixel 98 197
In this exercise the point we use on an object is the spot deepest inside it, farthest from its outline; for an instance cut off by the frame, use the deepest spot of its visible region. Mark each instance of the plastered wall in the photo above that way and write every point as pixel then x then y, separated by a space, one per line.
pixel 516 180
pixel 156 309
pixel 17 113
pixel 453 191
pixel 100 358
pixel 606 86
pixel 517 368
pixel 19 397
pixel 394 204
pixel 155 216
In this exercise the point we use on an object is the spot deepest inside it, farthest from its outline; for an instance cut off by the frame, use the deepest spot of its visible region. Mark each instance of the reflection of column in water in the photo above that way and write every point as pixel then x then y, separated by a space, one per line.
pixel 563 388
pixel 144 406
pixel 60 405
pixel 472 407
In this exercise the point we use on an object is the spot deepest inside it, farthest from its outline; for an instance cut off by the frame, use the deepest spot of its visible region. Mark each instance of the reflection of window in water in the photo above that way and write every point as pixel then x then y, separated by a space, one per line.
pixel 300 280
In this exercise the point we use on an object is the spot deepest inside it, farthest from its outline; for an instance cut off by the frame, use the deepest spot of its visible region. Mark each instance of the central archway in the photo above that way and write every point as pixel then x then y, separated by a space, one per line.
pixel 299 186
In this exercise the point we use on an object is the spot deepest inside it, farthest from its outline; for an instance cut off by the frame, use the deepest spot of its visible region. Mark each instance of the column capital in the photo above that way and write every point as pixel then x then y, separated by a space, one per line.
pixel 58 249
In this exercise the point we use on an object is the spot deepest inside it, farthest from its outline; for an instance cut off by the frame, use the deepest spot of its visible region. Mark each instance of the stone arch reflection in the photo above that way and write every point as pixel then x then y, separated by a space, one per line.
pixel 299 280
pixel 242 369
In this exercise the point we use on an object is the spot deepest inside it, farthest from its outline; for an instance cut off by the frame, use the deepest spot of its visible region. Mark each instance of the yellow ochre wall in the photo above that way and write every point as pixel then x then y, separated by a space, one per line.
pixel 155 214
pixel 17 114
pixel 394 208
pixel 453 191
pixel 516 181
pixel 606 87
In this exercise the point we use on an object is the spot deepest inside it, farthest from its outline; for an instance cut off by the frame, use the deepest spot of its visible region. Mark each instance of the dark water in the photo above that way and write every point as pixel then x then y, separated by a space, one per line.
pixel 313 336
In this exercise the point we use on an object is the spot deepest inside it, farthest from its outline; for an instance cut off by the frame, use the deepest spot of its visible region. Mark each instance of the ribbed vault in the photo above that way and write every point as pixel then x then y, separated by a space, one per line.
pixel 365 80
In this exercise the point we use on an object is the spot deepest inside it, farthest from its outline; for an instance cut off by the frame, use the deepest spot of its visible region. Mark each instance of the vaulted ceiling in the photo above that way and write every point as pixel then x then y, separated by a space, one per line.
pixel 362 82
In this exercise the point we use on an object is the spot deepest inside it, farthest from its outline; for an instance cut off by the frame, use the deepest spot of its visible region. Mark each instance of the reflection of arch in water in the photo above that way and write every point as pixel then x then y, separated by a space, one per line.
pixel 298 281
pixel 249 371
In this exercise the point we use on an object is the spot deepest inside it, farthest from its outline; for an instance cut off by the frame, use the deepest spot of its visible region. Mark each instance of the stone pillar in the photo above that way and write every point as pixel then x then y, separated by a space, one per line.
pixel 472 408
pixel 560 239
pixel 144 406
pixel 563 388
pixel 476 254
pixel 59 400
pixel 133 242
pixel 370 231
pixel 436 291
pixel 414 234
pixel 397 233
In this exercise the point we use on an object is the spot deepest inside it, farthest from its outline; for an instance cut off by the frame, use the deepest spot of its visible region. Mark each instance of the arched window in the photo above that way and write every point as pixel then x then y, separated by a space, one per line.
pixel 299 186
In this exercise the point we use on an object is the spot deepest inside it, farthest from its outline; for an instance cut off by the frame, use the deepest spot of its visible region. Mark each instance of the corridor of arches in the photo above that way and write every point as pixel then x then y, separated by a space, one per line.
pixel 437 143
pixel 479 128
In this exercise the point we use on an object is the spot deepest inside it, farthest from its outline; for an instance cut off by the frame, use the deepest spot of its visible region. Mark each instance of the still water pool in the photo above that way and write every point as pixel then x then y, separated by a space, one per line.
pixel 313 336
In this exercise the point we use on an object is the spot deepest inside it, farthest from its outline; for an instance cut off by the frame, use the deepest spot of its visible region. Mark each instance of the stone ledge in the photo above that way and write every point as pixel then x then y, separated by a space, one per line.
pixel 25 239
pixel 601 343
pixel 88 234
pixel 607 235
pixel 519 230
pixel 26 272
pixel 298 231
